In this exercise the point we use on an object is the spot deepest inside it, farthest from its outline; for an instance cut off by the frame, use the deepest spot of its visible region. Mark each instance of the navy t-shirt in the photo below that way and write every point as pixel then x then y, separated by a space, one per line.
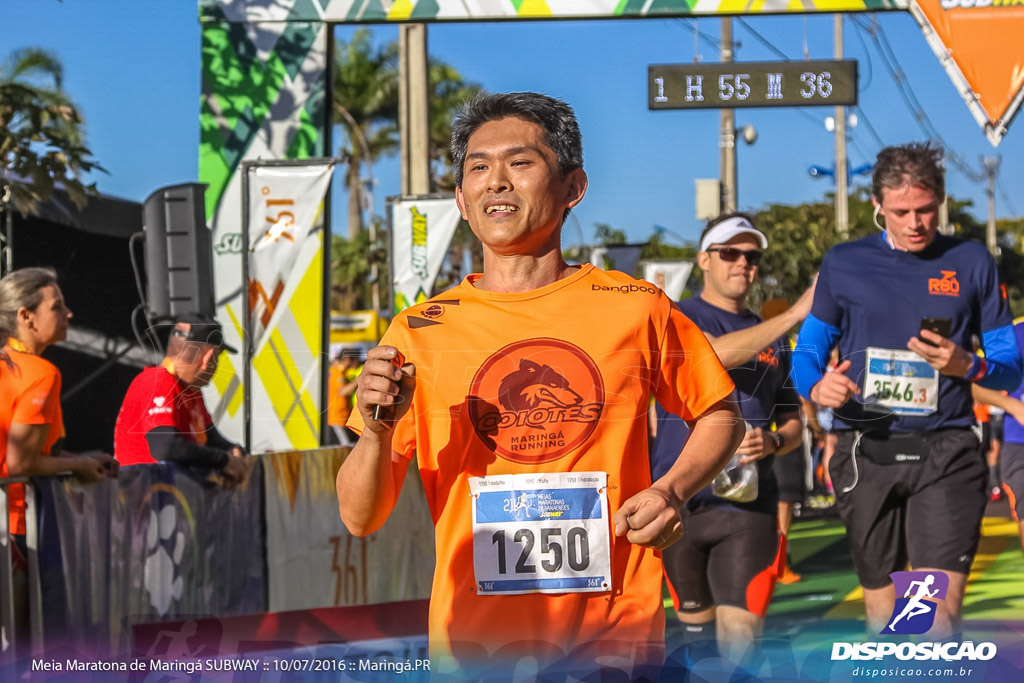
pixel 763 392
pixel 1013 431
pixel 877 296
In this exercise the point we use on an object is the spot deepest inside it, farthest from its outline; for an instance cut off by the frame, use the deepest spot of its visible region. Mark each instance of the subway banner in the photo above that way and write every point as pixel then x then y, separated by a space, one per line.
pixel 312 559
pixel 979 43
pixel 285 298
pixel 421 232
pixel 263 98
pixel 670 276
pixel 159 543
pixel 374 11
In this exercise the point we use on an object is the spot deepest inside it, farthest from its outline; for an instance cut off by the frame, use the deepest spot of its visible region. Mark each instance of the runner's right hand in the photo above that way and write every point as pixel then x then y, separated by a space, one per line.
pixel 803 305
pixel 382 383
pixel 835 388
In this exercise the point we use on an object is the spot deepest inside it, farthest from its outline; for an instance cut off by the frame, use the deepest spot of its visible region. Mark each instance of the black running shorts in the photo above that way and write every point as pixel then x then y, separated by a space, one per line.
pixel 928 512
pixel 725 557
pixel 789 473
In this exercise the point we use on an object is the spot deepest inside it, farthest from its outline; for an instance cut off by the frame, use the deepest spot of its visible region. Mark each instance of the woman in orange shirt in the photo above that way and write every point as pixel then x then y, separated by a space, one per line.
pixel 33 316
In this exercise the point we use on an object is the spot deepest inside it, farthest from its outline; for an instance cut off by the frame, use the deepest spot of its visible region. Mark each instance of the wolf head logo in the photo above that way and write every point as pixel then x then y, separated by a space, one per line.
pixel 534 385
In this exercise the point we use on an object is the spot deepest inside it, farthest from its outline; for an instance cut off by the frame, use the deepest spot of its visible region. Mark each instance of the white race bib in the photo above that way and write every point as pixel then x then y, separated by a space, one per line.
pixel 541 533
pixel 901 381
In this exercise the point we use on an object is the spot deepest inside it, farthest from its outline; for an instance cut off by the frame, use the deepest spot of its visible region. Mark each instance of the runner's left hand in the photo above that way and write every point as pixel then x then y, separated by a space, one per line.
pixel 755 445
pixel 945 356
pixel 650 519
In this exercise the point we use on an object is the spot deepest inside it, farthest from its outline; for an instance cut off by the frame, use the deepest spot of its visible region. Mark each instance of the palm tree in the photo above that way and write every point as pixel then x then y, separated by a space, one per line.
pixel 366 106
pixel 41 133
pixel 448 92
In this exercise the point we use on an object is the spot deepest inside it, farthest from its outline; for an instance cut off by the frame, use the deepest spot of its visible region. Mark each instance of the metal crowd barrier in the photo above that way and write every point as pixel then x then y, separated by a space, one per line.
pixel 10 638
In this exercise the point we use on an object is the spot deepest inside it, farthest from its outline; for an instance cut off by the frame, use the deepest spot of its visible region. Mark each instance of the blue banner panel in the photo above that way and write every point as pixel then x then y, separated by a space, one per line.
pixel 159 543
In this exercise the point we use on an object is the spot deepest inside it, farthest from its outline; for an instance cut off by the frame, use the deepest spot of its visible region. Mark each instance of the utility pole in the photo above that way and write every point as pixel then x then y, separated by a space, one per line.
pixel 413 123
pixel 991 165
pixel 842 194
pixel 727 139
pixel 413 115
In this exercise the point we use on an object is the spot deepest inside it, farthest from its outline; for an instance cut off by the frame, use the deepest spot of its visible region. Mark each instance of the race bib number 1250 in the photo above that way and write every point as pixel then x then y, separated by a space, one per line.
pixel 541 533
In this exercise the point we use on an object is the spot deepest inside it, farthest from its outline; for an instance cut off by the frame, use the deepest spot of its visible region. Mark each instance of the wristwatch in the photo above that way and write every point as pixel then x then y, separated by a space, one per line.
pixel 778 439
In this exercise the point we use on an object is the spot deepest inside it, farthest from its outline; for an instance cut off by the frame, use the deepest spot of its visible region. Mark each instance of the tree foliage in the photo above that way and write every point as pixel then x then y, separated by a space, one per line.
pixel 351 267
pixel 366 107
pixel 448 92
pixel 41 133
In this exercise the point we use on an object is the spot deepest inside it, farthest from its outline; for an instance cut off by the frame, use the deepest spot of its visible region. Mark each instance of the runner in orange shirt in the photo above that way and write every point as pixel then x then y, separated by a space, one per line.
pixel 523 398
pixel 341 387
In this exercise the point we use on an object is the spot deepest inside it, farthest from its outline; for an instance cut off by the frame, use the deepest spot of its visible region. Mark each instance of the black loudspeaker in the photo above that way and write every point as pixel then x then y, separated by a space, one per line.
pixel 179 254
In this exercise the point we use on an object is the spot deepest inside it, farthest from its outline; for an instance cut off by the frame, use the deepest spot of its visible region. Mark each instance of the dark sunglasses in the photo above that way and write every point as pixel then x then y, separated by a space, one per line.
pixel 731 254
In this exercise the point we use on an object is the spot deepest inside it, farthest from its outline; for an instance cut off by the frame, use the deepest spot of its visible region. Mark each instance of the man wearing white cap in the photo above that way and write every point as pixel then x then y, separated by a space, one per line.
pixel 722 573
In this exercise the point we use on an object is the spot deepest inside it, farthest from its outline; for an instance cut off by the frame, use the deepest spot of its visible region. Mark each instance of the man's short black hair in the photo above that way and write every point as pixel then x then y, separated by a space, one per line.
pixel 555 117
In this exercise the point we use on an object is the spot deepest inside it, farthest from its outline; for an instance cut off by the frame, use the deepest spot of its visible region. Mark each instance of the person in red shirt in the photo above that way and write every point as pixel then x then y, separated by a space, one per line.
pixel 523 400
pixel 163 417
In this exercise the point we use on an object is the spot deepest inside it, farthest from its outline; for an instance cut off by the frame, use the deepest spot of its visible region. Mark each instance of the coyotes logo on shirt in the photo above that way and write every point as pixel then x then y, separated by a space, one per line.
pixel 535 400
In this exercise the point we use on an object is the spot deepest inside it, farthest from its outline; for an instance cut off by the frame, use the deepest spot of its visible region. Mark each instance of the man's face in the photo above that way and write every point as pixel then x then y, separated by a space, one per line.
pixel 911 216
pixel 730 279
pixel 197 363
pixel 512 194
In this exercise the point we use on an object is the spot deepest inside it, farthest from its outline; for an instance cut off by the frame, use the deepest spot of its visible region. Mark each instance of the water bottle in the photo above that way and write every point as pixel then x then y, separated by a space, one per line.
pixel 737 482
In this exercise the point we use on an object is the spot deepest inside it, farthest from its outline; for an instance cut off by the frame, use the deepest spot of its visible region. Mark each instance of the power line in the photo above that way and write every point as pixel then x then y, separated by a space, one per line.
pixel 860 149
pixel 1006 197
pixel 710 40
pixel 807 115
pixel 871 128
pixel 761 39
pixel 891 63
pixel 867 53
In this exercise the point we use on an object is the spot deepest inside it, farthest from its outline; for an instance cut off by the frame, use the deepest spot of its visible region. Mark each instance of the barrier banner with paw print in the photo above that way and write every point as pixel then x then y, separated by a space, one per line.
pixel 159 543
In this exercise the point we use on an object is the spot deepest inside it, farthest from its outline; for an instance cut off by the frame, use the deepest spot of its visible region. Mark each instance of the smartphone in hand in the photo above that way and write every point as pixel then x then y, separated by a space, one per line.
pixel 940 326
pixel 379 410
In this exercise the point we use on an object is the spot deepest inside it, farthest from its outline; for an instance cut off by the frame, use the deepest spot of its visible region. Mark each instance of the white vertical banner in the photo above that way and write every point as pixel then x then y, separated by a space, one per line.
pixel 671 276
pixel 285 203
pixel 421 232
pixel 285 296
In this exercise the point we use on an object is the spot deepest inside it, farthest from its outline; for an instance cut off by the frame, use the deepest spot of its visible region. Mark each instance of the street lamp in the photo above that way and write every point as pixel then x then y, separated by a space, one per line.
pixel 816 171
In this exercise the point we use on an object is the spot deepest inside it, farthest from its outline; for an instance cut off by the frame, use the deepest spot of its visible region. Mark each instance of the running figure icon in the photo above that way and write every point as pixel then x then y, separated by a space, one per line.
pixel 921 592
pixel 915 606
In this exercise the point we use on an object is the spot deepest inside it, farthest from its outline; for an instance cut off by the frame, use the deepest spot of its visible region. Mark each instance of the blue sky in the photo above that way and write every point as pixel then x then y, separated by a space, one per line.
pixel 134 69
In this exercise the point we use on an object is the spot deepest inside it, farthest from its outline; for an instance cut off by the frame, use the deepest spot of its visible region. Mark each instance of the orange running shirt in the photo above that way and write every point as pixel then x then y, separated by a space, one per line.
pixel 554 380
pixel 30 395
